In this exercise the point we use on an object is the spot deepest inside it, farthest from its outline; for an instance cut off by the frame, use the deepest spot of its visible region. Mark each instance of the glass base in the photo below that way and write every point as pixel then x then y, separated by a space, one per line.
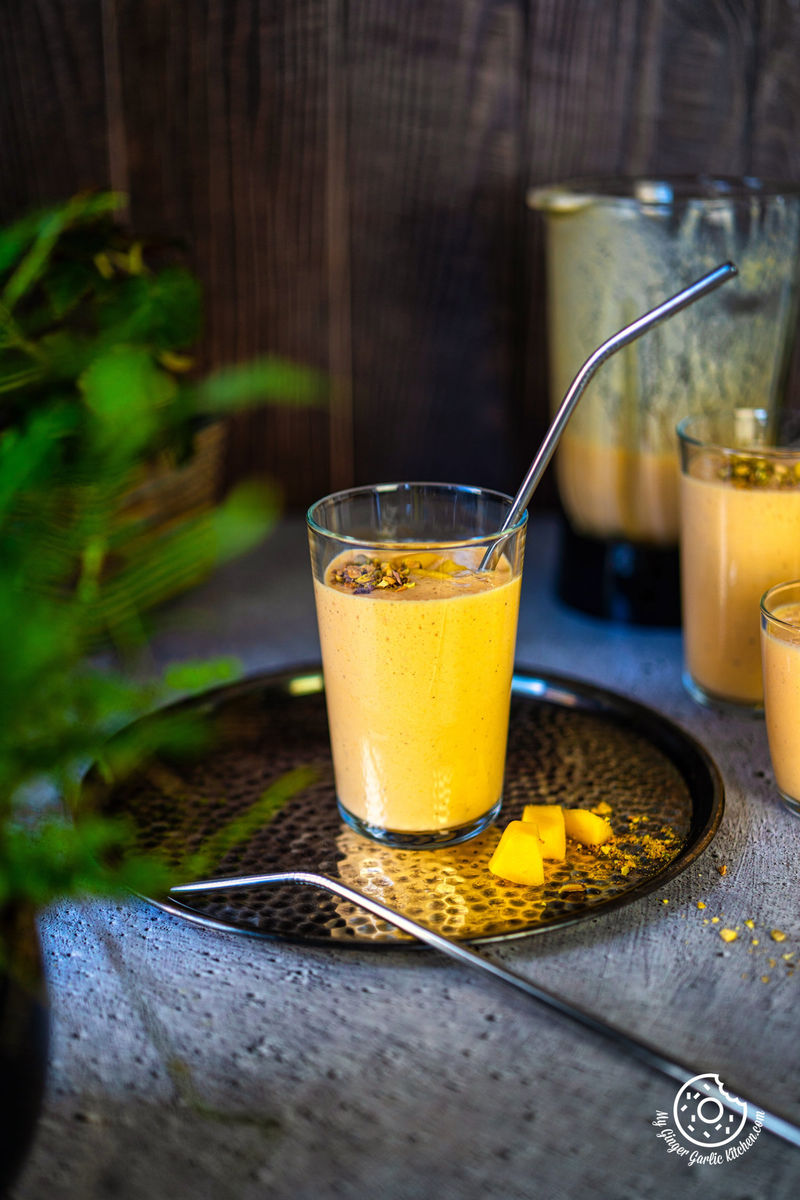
pixel 430 839
pixel 737 708
pixel 789 803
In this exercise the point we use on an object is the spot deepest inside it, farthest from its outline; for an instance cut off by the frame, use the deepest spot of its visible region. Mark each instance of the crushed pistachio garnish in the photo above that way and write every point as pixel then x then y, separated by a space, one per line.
pixel 630 852
pixel 751 470
pixel 364 574
pixel 655 848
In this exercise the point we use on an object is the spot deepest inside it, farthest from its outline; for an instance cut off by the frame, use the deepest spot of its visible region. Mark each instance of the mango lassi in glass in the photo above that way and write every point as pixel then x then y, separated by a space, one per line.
pixel 740 533
pixel 417 633
pixel 780 649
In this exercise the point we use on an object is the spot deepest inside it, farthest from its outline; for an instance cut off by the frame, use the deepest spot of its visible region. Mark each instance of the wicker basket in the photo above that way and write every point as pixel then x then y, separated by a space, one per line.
pixel 163 498
pixel 165 492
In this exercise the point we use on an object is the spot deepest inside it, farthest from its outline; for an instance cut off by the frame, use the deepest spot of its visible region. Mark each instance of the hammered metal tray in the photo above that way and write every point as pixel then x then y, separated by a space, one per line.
pixel 570 743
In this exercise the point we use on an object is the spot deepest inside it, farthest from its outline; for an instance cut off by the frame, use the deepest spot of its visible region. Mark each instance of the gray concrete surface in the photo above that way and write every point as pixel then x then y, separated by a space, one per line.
pixel 190 1063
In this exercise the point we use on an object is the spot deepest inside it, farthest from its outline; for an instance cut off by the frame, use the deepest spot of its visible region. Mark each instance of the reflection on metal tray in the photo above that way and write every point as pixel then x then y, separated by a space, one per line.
pixel 569 743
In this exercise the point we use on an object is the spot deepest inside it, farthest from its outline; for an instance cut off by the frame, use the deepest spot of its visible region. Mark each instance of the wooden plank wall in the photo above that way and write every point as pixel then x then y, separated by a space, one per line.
pixel 350 177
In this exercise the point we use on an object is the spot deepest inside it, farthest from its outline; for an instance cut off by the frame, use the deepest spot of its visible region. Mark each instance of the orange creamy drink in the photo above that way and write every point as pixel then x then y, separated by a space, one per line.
pixel 418 684
pixel 611 491
pixel 418 654
pixel 740 533
pixel 780 647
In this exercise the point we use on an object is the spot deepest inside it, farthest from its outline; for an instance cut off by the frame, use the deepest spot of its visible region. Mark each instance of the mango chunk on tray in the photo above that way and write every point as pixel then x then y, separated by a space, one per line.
pixel 518 856
pixel 549 820
pixel 541 834
pixel 587 827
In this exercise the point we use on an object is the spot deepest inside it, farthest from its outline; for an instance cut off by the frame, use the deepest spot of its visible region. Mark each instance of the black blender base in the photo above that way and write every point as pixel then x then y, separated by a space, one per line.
pixel 619 580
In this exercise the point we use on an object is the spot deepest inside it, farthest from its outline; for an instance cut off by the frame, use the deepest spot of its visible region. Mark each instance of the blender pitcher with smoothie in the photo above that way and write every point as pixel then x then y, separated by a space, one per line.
pixel 613 247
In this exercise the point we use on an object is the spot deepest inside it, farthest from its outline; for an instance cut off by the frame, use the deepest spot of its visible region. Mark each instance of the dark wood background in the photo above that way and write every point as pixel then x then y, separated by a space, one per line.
pixel 351 177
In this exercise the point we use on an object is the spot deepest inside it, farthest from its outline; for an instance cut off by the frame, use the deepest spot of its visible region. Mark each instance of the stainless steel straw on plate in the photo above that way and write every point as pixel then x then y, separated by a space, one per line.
pixel 644 1052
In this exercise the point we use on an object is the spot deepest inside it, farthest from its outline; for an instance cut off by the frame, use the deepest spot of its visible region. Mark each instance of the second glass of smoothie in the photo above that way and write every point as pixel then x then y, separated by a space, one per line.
pixel 740 534
pixel 417 633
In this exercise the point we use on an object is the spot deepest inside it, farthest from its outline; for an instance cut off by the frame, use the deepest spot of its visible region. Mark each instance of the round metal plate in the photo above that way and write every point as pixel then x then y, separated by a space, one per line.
pixel 569 743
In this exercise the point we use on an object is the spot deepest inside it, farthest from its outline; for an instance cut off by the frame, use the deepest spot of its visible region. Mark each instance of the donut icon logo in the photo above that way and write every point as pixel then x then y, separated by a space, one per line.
pixel 705 1114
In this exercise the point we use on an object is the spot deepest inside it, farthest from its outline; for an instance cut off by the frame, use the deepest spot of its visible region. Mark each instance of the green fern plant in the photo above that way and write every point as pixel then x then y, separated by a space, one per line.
pixel 96 378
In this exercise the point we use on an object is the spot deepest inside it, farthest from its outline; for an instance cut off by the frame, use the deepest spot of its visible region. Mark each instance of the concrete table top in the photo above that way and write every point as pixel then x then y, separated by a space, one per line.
pixel 193 1063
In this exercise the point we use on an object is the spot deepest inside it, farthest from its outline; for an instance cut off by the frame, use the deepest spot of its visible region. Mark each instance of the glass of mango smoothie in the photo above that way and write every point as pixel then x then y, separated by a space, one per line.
pixel 780 650
pixel 739 535
pixel 417 595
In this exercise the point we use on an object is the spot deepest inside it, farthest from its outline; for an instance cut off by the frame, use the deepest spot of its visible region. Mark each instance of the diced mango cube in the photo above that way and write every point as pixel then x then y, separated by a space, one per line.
pixel 549 819
pixel 586 827
pixel 518 855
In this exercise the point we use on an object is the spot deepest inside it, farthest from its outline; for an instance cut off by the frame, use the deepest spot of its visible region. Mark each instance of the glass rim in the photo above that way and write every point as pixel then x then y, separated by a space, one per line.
pixel 688 438
pixel 372 488
pixel 766 600
pixel 649 191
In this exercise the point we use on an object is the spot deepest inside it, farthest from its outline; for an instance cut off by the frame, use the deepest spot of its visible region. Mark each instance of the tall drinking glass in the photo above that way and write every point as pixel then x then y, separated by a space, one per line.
pixel 417 639
pixel 740 533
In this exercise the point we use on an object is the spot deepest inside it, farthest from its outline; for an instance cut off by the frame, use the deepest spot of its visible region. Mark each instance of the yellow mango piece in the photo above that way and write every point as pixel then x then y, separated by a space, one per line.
pixel 518 855
pixel 549 820
pixel 586 827
pixel 431 565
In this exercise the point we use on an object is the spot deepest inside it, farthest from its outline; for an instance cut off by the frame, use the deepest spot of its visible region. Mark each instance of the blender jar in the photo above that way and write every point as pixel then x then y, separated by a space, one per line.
pixel 615 249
